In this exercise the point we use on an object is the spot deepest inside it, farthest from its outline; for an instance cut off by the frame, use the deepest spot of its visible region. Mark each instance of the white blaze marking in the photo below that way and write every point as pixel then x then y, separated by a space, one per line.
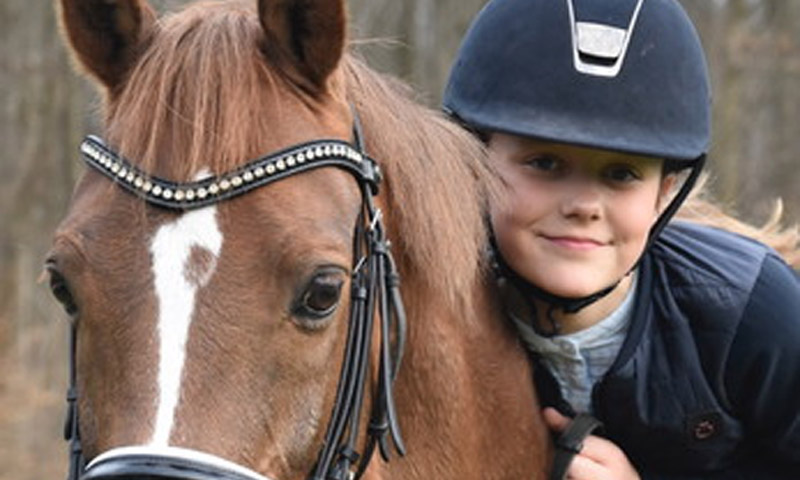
pixel 171 249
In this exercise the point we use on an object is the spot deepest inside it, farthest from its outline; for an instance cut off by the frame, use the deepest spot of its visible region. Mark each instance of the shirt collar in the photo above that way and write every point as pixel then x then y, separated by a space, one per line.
pixel 596 336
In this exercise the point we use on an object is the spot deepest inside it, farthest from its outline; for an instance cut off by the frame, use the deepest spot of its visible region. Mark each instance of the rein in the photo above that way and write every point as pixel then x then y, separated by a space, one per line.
pixel 375 297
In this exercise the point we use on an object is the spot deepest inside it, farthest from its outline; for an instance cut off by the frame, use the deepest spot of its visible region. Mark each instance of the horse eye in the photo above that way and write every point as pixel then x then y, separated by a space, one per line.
pixel 320 297
pixel 61 292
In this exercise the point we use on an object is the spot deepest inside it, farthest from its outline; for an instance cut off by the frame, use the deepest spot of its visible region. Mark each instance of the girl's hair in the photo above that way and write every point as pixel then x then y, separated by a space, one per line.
pixel 774 232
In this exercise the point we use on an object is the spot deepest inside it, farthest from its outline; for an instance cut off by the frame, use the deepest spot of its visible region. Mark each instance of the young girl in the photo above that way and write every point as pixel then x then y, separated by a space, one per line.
pixel 684 340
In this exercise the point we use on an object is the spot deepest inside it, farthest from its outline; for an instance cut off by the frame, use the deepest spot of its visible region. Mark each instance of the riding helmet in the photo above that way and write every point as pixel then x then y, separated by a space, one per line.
pixel 624 75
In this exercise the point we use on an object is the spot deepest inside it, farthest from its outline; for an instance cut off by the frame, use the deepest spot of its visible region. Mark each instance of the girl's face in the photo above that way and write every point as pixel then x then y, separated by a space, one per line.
pixel 574 220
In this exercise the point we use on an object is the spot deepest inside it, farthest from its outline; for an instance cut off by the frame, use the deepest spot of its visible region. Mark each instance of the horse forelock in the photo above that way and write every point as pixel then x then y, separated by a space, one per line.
pixel 198 93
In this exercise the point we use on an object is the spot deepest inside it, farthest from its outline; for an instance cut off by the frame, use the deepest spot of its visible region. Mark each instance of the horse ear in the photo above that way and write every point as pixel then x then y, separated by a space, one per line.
pixel 311 33
pixel 106 35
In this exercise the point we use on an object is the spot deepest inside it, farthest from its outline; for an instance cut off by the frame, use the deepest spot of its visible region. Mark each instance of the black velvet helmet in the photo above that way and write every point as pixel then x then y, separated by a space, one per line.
pixel 621 75
pixel 625 75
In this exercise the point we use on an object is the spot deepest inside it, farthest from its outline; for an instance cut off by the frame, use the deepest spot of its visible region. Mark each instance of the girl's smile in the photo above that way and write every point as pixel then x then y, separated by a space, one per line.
pixel 573 242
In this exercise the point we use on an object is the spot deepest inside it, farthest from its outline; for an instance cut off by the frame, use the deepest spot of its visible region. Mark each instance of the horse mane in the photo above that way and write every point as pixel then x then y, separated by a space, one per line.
pixel 204 84
pixel 439 180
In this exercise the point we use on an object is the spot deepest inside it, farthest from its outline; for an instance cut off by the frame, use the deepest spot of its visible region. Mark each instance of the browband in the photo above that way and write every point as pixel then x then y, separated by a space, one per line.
pixel 267 169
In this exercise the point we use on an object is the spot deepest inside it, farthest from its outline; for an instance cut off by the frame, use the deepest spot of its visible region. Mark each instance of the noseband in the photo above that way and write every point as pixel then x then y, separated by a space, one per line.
pixel 375 297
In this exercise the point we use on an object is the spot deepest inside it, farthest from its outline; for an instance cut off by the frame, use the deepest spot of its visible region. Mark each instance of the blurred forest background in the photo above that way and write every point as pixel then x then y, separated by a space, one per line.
pixel 753 47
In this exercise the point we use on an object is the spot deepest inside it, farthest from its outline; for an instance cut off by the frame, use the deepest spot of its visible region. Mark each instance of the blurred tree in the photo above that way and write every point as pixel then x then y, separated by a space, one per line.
pixel 754 52
pixel 753 48
pixel 413 39
pixel 44 111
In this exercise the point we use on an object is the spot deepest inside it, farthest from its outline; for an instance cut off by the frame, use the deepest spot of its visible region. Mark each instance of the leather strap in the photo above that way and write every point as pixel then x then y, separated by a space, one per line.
pixel 570 443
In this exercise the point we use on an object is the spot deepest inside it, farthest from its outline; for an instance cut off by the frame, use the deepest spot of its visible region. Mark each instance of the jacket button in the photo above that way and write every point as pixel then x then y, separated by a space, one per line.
pixel 704 426
pixel 704 429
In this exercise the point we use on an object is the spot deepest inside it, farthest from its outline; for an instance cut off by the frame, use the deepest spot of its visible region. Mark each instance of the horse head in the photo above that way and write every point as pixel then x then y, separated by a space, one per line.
pixel 212 306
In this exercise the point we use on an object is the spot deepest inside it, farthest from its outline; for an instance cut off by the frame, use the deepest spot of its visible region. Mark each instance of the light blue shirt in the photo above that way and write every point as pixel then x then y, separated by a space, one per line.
pixel 578 360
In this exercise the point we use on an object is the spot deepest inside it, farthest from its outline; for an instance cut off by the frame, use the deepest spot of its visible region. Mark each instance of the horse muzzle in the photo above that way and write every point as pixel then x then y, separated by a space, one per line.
pixel 164 463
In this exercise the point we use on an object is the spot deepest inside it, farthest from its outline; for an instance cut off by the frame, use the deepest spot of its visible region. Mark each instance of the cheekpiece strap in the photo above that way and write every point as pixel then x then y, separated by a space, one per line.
pixel 260 172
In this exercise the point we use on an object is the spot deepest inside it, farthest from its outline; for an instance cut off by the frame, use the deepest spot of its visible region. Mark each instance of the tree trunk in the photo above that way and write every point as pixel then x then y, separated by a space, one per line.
pixel 43 116
pixel 753 48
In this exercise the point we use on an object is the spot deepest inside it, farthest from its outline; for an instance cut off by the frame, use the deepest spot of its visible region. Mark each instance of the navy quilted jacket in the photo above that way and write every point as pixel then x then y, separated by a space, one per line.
pixel 707 383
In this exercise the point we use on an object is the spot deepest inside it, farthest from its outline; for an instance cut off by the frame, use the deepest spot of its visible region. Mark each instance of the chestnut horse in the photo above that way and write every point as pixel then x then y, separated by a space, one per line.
pixel 209 341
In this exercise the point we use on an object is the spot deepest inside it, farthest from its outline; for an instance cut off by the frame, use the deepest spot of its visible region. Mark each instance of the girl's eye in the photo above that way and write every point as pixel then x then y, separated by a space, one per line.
pixel 320 297
pixel 546 164
pixel 622 174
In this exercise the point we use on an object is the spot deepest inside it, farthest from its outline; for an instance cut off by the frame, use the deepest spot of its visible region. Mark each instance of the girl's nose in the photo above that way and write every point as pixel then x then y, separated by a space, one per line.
pixel 582 203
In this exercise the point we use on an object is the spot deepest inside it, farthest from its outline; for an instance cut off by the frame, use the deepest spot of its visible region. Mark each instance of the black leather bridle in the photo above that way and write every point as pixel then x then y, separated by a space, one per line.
pixel 375 296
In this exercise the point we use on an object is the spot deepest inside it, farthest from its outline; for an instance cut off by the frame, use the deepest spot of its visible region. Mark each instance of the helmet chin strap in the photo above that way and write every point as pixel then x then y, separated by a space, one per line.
pixel 696 168
pixel 525 291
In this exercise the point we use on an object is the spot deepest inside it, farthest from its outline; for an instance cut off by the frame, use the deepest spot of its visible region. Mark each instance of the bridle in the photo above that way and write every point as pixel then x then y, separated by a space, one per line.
pixel 375 296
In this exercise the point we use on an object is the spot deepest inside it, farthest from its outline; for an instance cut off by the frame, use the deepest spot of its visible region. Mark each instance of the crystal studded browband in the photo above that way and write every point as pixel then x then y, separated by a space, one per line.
pixel 265 170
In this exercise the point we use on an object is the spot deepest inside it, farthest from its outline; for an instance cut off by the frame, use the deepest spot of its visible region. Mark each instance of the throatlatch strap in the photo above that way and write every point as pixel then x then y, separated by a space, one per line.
pixel 570 443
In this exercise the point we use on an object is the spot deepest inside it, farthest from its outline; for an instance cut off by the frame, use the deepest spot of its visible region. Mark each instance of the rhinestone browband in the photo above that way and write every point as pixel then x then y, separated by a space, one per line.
pixel 191 195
